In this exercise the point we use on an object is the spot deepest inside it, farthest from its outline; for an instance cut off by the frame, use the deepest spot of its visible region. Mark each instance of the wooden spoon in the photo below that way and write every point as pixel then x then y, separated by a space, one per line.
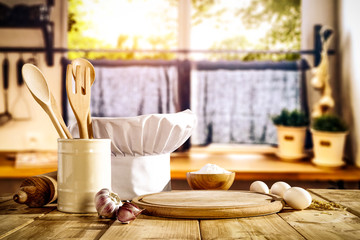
pixel 85 63
pixel 39 89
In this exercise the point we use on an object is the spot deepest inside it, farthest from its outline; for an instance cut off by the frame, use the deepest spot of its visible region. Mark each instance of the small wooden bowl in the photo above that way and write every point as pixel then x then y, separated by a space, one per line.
pixel 221 181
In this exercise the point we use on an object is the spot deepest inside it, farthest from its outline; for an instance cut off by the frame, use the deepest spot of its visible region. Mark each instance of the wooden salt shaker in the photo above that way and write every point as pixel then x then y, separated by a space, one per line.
pixel 37 191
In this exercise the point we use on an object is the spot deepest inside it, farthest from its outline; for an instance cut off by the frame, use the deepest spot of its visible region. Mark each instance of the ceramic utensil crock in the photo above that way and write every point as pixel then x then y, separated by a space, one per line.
pixel 84 167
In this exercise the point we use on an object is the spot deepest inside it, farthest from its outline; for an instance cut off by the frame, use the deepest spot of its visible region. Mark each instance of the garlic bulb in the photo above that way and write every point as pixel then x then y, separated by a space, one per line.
pixel 317 83
pixel 327 101
pixel 128 212
pixel 107 203
pixel 317 112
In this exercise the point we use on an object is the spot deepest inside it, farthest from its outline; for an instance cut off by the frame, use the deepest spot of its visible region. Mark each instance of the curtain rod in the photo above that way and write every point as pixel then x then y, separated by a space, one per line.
pixel 50 50
pixel 181 51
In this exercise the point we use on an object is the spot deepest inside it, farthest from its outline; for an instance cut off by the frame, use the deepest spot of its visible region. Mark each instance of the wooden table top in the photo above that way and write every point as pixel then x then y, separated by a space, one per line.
pixel 20 222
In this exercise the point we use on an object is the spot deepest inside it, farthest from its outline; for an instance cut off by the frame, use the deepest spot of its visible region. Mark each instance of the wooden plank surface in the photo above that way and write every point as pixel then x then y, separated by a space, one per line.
pixel 263 227
pixel 323 224
pixel 21 222
pixel 147 227
pixel 18 216
pixel 6 197
pixel 348 198
pixel 330 224
pixel 58 225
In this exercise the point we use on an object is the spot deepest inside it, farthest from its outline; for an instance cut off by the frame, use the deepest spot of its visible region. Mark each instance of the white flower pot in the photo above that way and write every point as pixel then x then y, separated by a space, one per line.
pixel 291 141
pixel 328 148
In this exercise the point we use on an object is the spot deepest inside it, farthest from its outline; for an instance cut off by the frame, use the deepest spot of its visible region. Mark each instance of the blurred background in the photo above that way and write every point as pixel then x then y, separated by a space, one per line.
pixel 233 63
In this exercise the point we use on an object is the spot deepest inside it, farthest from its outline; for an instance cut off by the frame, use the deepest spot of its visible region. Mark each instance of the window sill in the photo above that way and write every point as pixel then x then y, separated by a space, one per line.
pixel 262 164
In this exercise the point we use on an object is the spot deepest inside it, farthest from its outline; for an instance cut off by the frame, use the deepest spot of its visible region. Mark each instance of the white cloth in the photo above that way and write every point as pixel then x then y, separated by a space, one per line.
pixel 134 176
pixel 235 106
pixel 141 148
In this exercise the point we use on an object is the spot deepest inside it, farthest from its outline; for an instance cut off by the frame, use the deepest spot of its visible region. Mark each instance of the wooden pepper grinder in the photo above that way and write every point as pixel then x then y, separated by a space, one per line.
pixel 37 191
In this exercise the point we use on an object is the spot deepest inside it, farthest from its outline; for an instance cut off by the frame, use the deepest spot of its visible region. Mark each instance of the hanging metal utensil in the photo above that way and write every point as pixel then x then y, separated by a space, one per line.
pixel 20 110
pixel 5 116
pixel 33 60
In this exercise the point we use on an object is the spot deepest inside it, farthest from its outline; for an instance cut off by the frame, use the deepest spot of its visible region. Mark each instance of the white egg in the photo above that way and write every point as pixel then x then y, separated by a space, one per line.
pixel 297 198
pixel 259 186
pixel 279 188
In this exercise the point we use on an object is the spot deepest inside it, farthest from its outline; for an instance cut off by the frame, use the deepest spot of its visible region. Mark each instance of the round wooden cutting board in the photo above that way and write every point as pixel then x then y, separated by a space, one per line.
pixel 208 204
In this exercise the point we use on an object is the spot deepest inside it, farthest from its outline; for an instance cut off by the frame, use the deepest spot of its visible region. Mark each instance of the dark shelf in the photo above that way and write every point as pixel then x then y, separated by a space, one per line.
pixel 47 29
pixel 25 25
pixel 36 16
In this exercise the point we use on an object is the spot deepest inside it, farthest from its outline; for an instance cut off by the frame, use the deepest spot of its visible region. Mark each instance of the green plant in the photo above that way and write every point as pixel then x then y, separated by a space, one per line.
pixel 293 118
pixel 329 123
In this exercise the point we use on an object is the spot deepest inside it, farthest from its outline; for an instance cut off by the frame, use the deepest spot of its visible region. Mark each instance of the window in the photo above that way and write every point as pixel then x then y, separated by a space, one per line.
pixel 233 100
pixel 193 25
pixel 127 25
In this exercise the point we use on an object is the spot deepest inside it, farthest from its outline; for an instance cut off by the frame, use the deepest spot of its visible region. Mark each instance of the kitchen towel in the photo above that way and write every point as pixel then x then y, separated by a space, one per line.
pixel 141 148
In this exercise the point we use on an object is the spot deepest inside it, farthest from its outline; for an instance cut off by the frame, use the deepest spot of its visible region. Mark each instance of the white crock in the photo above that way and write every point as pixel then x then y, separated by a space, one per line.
pixel 328 148
pixel 291 142
pixel 84 167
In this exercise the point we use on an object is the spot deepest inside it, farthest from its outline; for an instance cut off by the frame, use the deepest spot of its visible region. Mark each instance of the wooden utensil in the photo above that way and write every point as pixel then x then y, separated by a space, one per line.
pixel 85 63
pixel 203 204
pixel 79 101
pixel 59 116
pixel 37 191
pixel 39 89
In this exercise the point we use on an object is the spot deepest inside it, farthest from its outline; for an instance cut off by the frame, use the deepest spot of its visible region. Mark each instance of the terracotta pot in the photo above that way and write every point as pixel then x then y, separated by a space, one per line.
pixel 291 141
pixel 328 148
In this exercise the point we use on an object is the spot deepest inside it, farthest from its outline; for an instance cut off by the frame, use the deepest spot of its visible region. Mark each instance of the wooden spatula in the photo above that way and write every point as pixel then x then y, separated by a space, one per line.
pixel 85 63
pixel 80 100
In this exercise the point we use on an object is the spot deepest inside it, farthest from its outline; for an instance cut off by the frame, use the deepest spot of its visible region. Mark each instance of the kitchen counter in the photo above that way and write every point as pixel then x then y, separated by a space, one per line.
pixel 248 166
pixel 20 222
pixel 260 166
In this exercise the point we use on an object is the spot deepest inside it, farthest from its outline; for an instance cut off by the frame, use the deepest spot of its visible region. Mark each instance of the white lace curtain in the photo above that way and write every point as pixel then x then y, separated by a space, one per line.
pixel 234 106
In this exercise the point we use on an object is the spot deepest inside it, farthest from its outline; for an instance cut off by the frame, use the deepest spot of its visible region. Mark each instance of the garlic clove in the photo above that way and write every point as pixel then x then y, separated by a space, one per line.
pixel 125 215
pixel 132 207
pixel 128 212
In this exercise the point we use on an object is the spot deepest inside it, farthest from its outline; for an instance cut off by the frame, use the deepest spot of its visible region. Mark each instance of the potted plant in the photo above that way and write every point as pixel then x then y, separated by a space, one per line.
pixel 329 135
pixel 291 131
